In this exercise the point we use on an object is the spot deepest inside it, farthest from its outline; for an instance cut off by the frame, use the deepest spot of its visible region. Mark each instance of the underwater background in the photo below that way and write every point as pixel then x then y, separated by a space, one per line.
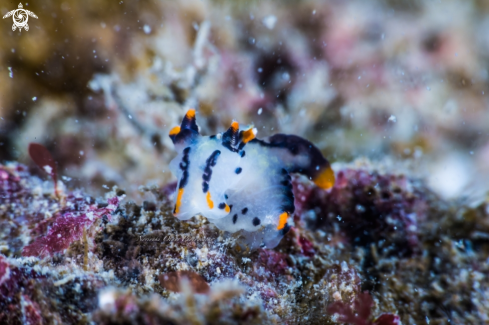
pixel 394 93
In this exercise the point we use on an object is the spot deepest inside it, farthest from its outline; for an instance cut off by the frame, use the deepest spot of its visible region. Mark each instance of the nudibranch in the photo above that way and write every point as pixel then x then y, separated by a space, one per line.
pixel 241 183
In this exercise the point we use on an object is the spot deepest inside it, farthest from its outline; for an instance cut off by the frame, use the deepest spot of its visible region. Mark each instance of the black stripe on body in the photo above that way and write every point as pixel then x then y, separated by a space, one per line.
pixel 184 167
pixel 209 163
pixel 288 200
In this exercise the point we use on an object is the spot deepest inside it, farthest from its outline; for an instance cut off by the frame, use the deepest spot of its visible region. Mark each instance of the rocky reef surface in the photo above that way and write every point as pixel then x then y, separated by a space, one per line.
pixel 379 248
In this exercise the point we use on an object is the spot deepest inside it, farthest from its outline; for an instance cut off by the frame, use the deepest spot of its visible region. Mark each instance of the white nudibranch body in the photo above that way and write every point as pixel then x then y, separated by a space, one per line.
pixel 241 183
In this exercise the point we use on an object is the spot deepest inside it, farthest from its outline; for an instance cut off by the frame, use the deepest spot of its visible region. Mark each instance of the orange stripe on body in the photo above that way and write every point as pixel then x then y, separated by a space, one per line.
pixel 227 208
pixel 210 203
pixel 179 201
pixel 282 220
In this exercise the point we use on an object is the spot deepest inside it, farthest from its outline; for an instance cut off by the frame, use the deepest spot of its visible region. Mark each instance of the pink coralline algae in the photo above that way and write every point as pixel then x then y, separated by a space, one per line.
pixel 12 278
pixel 52 223
pixel 360 313
pixel 368 208
pixel 32 312
pixel 31 295
pixel 10 184
pixel 68 227
pixel 272 261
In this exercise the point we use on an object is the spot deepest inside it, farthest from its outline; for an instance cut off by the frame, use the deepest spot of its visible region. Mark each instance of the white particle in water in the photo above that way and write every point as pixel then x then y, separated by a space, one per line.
pixel 147 29
pixel 270 21
pixel 34 98
pixel 260 110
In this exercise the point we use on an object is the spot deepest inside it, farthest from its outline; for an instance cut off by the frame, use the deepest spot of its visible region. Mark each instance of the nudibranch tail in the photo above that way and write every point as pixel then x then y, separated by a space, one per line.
pixel 325 178
pixel 301 156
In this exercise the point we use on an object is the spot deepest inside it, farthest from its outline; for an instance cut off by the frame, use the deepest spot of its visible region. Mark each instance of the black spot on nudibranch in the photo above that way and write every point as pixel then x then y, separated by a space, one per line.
pixel 238 170
pixel 256 221
pixel 184 167
pixel 242 153
pixel 226 196
pixel 222 205
pixel 235 218
pixel 209 163
pixel 244 210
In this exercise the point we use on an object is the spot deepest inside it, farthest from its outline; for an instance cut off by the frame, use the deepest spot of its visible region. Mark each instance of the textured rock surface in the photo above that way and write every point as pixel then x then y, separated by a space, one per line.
pixel 108 263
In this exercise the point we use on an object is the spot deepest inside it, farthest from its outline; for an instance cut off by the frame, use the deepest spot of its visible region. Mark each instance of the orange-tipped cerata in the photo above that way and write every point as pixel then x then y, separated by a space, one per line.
pixel 249 135
pixel 175 130
pixel 190 113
